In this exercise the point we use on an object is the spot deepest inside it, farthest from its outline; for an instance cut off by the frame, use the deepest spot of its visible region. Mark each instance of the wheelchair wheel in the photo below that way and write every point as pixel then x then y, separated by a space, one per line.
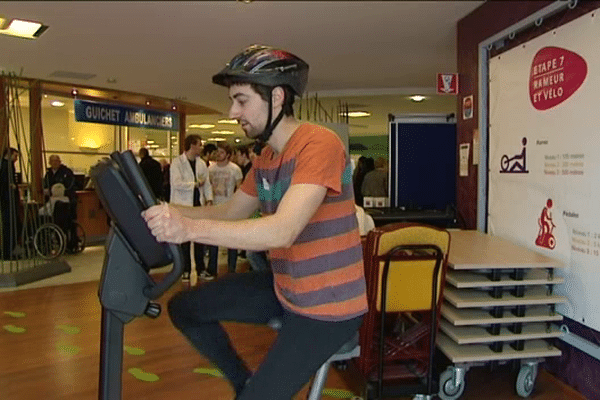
pixel 77 244
pixel 49 241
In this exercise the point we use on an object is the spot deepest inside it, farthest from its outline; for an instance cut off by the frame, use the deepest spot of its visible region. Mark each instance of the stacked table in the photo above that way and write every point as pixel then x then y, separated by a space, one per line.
pixel 499 306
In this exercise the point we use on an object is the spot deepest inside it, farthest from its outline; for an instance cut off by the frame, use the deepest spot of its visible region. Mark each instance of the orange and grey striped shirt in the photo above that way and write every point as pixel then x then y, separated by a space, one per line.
pixel 321 276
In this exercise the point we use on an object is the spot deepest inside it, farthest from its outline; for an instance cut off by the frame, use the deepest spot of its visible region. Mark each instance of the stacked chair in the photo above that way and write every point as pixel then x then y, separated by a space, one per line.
pixel 405 267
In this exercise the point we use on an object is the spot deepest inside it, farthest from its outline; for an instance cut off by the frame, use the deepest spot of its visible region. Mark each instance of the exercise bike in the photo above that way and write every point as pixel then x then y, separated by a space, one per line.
pixel 126 288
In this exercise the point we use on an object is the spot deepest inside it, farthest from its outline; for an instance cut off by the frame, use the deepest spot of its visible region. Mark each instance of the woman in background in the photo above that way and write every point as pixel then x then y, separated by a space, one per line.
pixel 363 166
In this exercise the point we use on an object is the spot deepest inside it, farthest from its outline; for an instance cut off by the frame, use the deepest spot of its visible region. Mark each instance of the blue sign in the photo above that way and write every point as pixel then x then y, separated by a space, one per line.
pixel 100 113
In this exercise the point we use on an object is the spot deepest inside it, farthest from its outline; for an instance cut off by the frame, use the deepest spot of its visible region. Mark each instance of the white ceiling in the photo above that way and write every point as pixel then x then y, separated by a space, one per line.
pixel 356 49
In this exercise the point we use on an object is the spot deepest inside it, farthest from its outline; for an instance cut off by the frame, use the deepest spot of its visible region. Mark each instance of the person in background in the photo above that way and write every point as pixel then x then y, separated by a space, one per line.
pixel 375 183
pixel 208 153
pixel 251 153
pixel 152 171
pixel 241 156
pixel 57 193
pixel 166 189
pixel 259 261
pixel 225 178
pixel 10 202
pixel 242 159
pixel 363 167
pixel 190 186
pixel 365 221
pixel 60 173
pixel 302 182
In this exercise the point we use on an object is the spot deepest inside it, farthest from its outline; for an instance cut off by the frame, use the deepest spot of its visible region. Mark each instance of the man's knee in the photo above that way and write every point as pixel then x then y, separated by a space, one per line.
pixel 178 309
pixel 191 307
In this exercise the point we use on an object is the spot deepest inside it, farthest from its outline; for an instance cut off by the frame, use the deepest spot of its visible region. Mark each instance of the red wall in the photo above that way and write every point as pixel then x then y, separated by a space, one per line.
pixel 486 21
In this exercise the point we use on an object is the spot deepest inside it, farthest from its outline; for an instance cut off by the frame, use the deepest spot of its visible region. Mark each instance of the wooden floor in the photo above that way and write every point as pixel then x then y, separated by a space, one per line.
pixel 49 349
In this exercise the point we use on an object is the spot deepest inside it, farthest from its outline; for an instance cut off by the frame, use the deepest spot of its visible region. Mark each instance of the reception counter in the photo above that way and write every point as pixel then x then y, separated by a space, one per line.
pixel 91 216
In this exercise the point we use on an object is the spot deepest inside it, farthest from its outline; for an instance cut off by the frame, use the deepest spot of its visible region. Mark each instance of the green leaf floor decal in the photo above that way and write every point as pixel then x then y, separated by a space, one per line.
pixel 142 375
pixel 13 329
pixel 209 371
pixel 68 349
pixel 134 351
pixel 338 393
pixel 15 314
pixel 71 330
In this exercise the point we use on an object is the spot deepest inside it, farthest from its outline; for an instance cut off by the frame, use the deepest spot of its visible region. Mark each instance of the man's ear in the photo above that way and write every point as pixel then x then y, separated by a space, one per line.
pixel 278 96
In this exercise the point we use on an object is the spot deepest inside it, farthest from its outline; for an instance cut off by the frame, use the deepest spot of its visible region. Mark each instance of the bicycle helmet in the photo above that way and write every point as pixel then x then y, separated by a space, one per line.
pixel 268 66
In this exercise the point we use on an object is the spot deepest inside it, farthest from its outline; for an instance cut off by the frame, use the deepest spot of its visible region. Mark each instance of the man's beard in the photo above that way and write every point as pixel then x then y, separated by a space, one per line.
pixel 251 131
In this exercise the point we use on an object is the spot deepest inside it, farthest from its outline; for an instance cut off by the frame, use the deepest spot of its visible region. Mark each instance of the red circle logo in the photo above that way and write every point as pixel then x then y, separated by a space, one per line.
pixel 555 75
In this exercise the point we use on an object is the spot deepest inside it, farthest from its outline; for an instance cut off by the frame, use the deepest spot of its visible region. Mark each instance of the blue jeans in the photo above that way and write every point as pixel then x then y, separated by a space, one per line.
pixel 258 260
pixel 213 258
pixel 301 347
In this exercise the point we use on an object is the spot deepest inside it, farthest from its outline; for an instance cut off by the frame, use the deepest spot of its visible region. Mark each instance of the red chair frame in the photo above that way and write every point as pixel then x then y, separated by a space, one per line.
pixel 379 361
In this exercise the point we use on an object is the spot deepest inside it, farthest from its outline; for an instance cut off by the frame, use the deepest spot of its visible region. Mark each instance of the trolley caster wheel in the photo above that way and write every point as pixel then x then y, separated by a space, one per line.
pixel 526 380
pixel 449 389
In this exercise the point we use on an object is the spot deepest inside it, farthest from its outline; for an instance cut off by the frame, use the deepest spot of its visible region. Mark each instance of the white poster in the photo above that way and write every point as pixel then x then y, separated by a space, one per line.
pixel 464 159
pixel 544 179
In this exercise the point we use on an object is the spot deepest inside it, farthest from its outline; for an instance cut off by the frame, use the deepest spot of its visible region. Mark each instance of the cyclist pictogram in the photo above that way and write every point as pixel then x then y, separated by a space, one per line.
pixel 545 237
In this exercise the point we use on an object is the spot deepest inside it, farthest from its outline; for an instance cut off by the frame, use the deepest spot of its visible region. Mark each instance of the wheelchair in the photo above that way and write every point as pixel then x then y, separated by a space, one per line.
pixel 59 234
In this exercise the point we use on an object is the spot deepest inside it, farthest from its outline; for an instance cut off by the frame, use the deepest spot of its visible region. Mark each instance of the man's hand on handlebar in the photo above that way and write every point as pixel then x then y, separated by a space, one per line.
pixel 166 223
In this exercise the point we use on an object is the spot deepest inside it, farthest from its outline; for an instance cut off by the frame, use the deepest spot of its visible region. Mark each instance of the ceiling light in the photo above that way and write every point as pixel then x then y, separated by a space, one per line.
pixel 74 92
pixel 149 141
pixel 237 140
pixel 57 103
pixel 217 139
pixel 201 126
pixel 24 29
pixel 356 114
pixel 223 132
pixel 417 98
pixel 228 121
